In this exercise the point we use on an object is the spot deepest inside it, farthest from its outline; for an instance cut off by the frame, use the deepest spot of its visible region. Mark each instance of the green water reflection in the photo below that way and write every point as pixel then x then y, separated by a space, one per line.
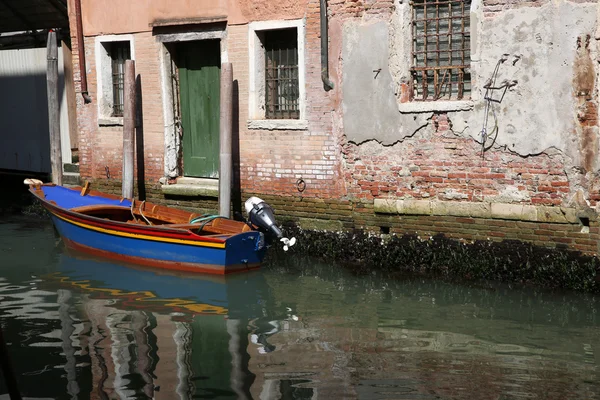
pixel 84 328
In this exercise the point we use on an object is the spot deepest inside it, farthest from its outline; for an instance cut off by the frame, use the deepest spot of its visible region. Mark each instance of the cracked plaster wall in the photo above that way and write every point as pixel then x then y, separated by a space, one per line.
pixel 538 114
pixel 369 105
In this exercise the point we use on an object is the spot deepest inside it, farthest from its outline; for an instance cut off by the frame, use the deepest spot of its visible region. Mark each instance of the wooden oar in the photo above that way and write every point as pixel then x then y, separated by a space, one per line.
pixel 7 371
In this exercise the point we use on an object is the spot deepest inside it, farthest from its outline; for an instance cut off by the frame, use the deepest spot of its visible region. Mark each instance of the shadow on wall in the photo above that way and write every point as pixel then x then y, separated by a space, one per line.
pixel 236 188
pixel 24 136
pixel 139 139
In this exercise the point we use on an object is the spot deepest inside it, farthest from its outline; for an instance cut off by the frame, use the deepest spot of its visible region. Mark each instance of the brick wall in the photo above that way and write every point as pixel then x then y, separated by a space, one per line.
pixel 437 164
pixel 272 161
pixel 100 147
pixel 342 179
pixel 349 215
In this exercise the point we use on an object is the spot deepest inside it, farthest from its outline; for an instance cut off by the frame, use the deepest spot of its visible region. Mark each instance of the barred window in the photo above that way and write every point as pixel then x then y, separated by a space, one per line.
pixel 119 52
pixel 441 50
pixel 281 74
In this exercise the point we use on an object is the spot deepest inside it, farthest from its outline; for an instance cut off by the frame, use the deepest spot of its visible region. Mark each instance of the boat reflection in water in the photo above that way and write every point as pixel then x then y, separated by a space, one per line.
pixel 124 320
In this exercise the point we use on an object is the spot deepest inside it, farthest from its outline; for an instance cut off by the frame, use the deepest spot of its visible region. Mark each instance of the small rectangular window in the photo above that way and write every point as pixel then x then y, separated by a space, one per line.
pixel 119 52
pixel 281 74
pixel 441 50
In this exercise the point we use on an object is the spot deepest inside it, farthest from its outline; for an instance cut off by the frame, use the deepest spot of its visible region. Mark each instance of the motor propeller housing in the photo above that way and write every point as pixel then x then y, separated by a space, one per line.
pixel 261 214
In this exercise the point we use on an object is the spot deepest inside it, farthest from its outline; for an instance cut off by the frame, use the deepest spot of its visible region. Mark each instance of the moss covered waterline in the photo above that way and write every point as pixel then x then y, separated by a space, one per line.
pixel 437 256
pixel 401 256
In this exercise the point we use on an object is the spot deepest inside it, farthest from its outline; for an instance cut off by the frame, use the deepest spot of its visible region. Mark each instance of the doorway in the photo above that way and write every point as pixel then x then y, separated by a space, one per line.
pixel 199 68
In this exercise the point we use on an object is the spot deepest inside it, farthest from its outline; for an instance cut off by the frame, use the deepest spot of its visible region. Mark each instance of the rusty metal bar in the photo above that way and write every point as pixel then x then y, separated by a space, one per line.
pixel 462 29
pixel 434 70
pixel 435 51
pixel 434 3
pixel 450 32
pixel 436 75
pixel 425 29
pixel 435 19
pixel 440 68
pixel 457 17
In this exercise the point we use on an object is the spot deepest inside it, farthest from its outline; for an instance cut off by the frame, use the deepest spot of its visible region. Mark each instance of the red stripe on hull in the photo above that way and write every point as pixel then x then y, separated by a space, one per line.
pixel 160 264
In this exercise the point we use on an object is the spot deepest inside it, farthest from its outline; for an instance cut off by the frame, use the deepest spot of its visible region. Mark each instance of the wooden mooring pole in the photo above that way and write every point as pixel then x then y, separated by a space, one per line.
pixel 53 108
pixel 226 128
pixel 128 129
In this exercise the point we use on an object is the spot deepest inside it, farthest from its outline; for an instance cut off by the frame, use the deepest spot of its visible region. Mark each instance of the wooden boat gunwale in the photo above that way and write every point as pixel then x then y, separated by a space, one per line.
pixel 182 231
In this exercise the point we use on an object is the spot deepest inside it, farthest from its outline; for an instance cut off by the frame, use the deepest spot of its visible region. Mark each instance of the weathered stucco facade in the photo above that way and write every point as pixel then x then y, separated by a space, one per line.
pixel 363 155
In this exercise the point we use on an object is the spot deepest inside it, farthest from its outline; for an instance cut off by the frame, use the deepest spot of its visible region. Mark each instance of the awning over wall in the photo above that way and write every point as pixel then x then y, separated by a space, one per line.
pixel 31 15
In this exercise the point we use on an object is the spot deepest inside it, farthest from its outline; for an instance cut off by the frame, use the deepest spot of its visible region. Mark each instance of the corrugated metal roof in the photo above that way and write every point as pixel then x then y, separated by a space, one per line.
pixel 27 15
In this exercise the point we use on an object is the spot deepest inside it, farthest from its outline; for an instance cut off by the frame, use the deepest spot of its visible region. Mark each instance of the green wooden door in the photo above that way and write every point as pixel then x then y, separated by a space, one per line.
pixel 199 65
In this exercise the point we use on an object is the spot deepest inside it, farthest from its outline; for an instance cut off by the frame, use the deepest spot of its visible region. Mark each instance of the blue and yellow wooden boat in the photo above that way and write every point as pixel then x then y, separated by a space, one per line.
pixel 144 233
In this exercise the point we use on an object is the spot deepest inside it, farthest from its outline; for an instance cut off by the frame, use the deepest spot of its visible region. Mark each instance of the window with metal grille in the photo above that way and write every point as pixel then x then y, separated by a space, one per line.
pixel 119 52
pixel 281 74
pixel 441 49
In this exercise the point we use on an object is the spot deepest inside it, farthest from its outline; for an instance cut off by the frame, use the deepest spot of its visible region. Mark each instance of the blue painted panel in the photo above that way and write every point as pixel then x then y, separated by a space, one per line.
pixel 69 198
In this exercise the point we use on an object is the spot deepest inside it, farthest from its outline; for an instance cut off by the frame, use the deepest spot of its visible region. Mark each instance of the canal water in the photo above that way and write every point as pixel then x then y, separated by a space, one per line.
pixel 81 328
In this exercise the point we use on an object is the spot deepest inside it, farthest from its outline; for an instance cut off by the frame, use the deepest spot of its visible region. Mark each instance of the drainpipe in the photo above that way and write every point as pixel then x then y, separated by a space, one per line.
pixel 81 50
pixel 324 48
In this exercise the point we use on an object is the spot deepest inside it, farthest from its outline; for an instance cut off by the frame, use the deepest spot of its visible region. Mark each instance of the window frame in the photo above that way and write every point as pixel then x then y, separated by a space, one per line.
pixel 116 57
pixel 420 13
pixel 280 72
pixel 406 102
pixel 257 84
pixel 104 82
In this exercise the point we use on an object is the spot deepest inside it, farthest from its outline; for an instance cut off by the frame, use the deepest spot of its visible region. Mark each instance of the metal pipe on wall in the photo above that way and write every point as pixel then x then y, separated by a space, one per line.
pixel 225 141
pixel 81 51
pixel 327 83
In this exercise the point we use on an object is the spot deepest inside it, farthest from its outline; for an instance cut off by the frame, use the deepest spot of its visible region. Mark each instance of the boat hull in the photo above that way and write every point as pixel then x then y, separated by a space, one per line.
pixel 155 246
pixel 238 253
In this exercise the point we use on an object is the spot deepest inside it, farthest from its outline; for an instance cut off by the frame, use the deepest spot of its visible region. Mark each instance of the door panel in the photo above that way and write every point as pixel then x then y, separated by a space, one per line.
pixel 199 64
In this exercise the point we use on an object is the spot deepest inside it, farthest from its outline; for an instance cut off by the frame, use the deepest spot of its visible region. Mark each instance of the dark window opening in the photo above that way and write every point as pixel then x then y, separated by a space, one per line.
pixel 441 50
pixel 119 52
pixel 282 94
pixel 585 224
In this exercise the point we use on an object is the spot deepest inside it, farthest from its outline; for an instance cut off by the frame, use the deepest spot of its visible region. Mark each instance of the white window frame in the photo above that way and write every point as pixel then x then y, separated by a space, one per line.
pixel 104 84
pixel 444 105
pixel 256 101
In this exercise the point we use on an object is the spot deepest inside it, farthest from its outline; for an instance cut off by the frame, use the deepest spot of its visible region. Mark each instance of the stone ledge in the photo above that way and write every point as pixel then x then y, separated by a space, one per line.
pixel 278 124
pixel 183 189
pixel 519 212
pixel 110 121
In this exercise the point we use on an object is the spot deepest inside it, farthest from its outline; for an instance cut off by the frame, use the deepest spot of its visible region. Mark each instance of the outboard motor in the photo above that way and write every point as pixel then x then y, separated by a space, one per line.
pixel 261 214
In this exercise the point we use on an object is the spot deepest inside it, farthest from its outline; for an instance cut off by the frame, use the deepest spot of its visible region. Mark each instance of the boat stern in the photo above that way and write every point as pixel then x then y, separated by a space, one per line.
pixel 245 251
